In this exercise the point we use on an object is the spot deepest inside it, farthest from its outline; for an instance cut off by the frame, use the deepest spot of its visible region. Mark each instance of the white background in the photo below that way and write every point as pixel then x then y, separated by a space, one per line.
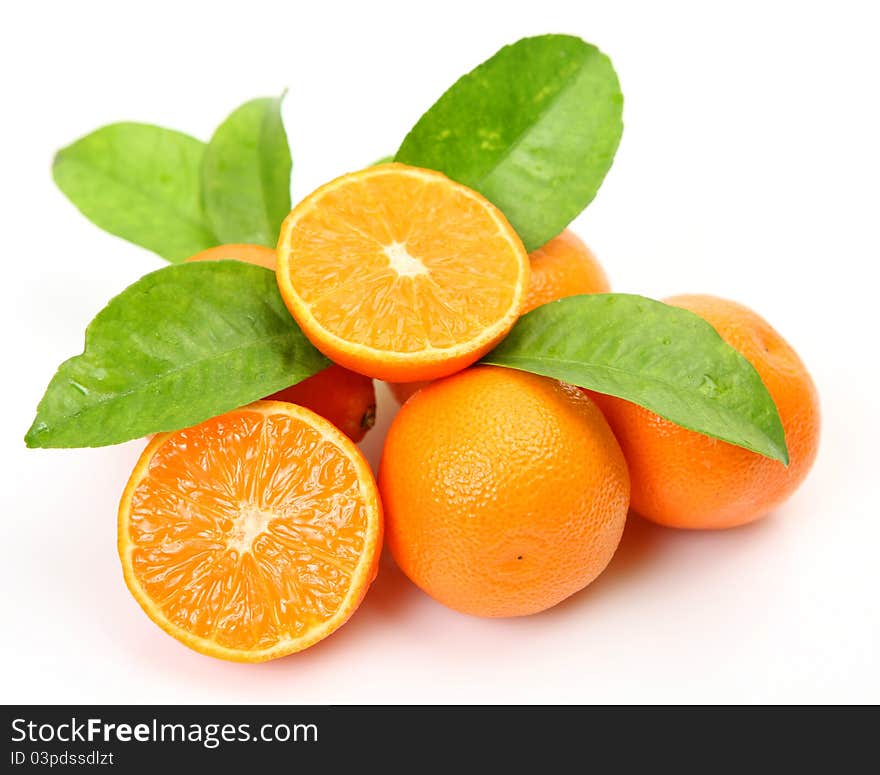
pixel 748 168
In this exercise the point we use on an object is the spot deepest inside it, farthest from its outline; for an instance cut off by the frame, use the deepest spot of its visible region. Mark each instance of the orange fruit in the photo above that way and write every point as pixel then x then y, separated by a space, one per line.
pixel 684 479
pixel 347 399
pixel 400 273
pixel 251 254
pixel 504 492
pixel 565 266
pixel 252 535
pixel 403 391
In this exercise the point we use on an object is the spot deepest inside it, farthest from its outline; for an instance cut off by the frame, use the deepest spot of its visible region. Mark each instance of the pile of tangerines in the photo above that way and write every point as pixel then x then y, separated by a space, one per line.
pixel 500 493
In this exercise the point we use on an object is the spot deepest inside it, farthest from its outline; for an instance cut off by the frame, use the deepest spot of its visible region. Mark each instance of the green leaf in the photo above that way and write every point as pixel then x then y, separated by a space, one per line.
pixel 246 174
pixel 141 183
pixel 664 358
pixel 534 129
pixel 182 344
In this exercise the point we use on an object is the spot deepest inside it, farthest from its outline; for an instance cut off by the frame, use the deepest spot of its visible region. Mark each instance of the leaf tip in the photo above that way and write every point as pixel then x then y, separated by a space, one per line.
pixel 775 446
pixel 32 437
pixel 782 454
pixel 57 160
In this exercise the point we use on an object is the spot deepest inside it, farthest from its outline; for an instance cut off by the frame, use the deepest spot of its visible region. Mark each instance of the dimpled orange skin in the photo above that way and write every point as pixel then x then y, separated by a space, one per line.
pixel 565 266
pixel 403 391
pixel 684 479
pixel 504 492
pixel 251 254
pixel 347 399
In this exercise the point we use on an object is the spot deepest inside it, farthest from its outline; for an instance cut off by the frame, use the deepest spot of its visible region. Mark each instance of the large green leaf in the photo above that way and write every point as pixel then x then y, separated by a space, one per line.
pixel 246 174
pixel 534 129
pixel 182 344
pixel 664 358
pixel 141 183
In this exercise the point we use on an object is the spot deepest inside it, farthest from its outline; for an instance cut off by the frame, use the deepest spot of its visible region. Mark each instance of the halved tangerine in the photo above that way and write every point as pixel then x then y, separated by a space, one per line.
pixel 252 535
pixel 400 273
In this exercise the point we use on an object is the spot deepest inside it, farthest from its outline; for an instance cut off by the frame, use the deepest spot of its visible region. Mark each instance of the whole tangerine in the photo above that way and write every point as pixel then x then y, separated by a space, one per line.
pixel 687 480
pixel 504 492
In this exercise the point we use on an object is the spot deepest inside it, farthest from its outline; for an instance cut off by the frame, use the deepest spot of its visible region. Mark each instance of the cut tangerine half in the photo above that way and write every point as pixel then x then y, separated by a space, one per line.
pixel 400 273
pixel 252 535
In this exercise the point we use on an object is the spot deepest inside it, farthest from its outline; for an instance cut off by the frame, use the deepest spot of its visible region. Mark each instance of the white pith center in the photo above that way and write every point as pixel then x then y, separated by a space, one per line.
pixel 250 522
pixel 402 262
